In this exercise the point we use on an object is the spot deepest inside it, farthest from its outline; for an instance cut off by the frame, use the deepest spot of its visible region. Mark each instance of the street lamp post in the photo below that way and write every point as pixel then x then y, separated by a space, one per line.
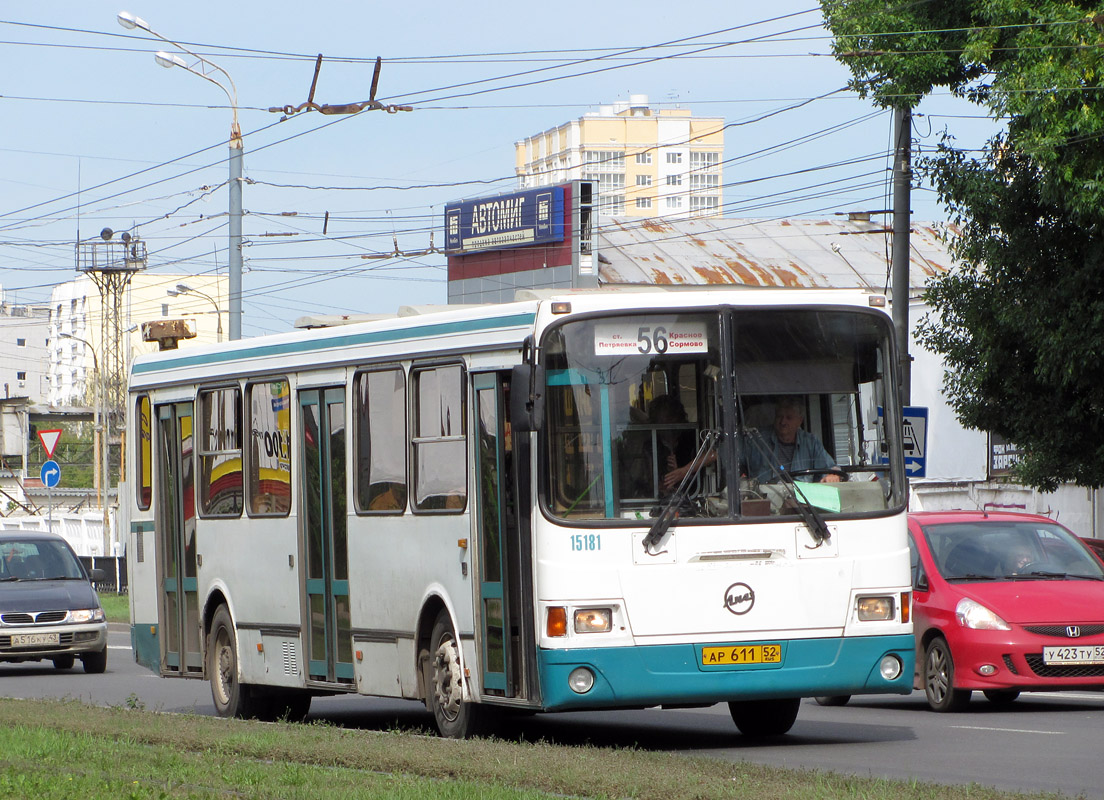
pixel 102 445
pixel 183 288
pixel 204 68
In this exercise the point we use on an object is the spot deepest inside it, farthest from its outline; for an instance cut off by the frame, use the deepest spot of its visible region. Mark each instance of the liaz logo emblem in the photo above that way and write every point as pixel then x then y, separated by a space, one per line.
pixel 739 598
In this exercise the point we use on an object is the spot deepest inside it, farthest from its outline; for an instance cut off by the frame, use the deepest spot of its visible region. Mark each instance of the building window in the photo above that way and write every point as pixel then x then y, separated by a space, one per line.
pixel 164 309
pixel 269 482
pixel 644 158
pixel 704 181
pixel 220 453
pixel 643 202
pixel 674 180
pixel 381 441
pixel 603 161
pixel 674 158
pixel 20 342
pixel 439 441
pixel 607 169
pixel 706 203
pixel 705 161
pixel 674 202
pixel 643 180
pixel 21 377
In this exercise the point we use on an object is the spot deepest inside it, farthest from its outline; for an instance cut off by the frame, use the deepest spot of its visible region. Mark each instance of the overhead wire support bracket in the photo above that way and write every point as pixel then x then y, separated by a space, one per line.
pixel 371 104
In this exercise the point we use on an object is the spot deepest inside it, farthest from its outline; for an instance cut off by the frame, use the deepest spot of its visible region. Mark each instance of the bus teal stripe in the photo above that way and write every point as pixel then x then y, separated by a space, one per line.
pixel 311 344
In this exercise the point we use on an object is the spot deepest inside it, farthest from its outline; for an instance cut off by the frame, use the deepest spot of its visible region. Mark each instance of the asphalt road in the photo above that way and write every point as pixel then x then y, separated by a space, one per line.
pixel 1042 742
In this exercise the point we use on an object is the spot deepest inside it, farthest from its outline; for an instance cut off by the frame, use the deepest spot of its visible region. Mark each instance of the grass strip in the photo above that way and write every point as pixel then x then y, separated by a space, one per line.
pixel 62 749
pixel 116 606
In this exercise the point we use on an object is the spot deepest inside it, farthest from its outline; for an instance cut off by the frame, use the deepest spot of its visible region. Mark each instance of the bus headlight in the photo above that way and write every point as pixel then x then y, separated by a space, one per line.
pixel 593 620
pixel 875 608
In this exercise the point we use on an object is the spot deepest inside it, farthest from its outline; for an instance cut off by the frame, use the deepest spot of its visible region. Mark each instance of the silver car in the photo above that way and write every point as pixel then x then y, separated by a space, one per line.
pixel 48 608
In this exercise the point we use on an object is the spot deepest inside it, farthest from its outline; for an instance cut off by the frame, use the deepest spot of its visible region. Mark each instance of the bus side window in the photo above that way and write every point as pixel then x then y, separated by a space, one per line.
pixel 143 462
pixel 440 439
pixel 380 431
pixel 218 437
pixel 269 467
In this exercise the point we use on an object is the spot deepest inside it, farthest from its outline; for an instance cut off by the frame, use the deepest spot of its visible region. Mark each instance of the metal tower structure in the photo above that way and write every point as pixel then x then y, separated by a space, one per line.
pixel 111 263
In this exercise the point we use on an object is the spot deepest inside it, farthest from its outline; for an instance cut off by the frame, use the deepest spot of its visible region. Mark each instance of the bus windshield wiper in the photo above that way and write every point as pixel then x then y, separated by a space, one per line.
pixel 669 514
pixel 811 517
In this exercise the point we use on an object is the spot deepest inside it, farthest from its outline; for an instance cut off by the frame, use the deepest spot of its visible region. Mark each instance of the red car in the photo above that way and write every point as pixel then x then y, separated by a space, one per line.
pixel 1003 603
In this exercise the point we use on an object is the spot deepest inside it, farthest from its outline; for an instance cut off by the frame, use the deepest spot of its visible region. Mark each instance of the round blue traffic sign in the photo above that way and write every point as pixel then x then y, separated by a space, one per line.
pixel 51 474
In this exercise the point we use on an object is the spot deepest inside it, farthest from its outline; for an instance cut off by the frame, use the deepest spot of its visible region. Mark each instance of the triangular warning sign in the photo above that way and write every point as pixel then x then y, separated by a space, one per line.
pixel 49 441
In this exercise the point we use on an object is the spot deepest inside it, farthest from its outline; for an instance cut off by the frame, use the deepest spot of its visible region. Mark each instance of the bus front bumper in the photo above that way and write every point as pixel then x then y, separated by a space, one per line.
pixel 642 676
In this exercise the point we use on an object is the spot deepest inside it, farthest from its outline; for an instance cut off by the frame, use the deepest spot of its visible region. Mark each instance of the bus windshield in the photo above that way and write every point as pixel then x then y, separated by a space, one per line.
pixel 754 414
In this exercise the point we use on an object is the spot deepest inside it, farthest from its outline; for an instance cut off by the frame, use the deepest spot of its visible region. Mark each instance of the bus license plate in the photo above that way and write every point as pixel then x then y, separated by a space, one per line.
pixel 742 654
pixel 1080 654
pixel 33 639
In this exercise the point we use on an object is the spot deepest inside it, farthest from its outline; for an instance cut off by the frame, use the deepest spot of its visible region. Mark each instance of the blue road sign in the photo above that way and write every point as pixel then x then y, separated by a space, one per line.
pixel 50 474
pixel 915 441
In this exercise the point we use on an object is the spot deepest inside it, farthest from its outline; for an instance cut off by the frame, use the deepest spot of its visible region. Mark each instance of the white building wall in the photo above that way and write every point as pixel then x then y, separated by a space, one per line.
pixel 958 460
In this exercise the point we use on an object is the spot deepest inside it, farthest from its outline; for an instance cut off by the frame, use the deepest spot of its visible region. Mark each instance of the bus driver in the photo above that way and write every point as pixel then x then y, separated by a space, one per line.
pixel 791 448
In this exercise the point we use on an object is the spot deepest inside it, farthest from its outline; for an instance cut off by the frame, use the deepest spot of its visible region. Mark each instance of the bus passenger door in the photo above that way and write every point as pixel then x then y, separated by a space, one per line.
pixel 505 631
pixel 174 522
pixel 328 643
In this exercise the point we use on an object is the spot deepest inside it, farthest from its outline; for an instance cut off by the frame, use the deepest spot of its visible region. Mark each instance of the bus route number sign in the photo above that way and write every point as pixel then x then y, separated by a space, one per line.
pixel 659 337
pixel 741 654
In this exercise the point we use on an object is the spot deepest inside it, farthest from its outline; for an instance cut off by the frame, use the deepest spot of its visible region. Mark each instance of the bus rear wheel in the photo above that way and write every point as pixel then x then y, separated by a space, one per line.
pixel 456 717
pixel 232 698
pixel 761 718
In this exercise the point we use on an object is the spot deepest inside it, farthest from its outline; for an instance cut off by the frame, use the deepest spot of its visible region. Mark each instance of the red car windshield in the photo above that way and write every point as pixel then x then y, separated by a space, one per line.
pixel 994 549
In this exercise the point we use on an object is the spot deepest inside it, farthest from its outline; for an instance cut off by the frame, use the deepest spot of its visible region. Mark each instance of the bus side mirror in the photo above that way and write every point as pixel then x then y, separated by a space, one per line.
pixel 526 398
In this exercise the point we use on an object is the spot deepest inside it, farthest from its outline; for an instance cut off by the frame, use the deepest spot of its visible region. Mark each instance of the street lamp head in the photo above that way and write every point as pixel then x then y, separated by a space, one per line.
pixel 169 60
pixel 183 287
pixel 130 22
pixel 172 292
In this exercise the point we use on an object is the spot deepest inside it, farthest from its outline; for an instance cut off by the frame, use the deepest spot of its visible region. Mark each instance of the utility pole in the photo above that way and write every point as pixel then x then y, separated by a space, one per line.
pixel 902 218
pixel 110 264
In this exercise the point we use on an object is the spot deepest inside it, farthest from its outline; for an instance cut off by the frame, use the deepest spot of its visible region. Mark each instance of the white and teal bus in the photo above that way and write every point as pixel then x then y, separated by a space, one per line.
pixel 576 501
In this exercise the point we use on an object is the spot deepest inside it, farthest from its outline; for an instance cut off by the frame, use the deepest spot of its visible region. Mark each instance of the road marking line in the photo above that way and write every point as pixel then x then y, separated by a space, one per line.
pixel 1008 730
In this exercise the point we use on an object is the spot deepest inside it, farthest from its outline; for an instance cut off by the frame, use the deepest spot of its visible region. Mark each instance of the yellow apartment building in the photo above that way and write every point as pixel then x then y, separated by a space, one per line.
pixel 645 162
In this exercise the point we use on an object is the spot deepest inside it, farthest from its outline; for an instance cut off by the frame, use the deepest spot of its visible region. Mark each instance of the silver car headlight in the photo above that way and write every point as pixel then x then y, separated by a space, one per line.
pixel 86 615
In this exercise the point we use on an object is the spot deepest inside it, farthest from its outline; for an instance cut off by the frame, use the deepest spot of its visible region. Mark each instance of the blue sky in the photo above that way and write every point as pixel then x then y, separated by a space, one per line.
pixel 97 135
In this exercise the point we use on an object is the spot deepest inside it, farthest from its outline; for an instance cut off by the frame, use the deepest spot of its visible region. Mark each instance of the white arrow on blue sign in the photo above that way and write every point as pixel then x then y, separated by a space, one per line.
pixel 50 474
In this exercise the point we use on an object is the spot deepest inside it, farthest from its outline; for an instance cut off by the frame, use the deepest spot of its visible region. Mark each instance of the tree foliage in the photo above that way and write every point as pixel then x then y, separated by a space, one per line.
pixel 1020 320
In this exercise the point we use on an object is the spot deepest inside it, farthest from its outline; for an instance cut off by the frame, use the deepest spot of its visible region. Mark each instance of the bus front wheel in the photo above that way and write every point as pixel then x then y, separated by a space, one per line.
pixel 760 718
pixel 456 717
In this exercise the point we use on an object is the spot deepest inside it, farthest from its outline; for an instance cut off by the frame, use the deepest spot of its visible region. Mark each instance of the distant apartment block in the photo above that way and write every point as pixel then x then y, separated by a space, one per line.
pixel 645 162
pixel 75 343
pixel 23 365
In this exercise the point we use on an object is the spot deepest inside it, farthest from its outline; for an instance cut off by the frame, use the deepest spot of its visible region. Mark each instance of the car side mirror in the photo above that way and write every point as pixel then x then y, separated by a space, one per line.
pixel 96 575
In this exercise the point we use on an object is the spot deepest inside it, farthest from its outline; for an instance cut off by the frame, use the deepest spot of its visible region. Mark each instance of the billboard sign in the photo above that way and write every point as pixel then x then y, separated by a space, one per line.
pixel 535 216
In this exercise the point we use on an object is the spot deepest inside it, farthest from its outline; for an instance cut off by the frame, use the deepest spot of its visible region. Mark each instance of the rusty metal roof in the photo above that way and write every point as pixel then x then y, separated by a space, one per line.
pixel 838 253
